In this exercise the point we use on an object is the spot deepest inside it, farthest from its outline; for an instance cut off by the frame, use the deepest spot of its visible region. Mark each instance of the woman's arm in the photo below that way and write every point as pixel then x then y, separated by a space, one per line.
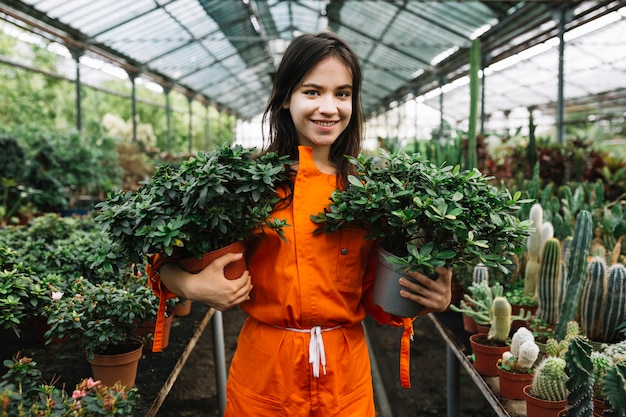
pixel 208 286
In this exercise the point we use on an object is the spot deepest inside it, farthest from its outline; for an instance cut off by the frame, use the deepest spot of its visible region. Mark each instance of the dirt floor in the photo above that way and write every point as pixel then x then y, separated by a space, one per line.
pixel 194 392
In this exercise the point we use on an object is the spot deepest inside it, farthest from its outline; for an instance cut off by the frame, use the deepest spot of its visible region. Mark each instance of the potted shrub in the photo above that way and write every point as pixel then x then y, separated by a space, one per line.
pixel 104 319
pixel 209 202
pixel 427 216
pixel 515 368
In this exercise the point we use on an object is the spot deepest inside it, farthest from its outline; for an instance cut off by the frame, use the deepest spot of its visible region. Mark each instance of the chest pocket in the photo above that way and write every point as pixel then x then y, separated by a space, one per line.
pixel 352 258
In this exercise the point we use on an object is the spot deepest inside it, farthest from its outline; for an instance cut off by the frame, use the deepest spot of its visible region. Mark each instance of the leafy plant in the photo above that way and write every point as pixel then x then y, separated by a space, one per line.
pixel 210 201
pixel 429 216
pixel 22 393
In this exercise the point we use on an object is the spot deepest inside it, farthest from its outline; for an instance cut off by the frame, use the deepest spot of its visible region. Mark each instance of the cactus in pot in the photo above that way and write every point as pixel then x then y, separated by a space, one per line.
pixel 523 354
pixel 580 377
pixel 576 272
pixel 615 307
pixel 501 320
pixel 549 382
pixel 534 244
pixel 548 282
pixel 593 297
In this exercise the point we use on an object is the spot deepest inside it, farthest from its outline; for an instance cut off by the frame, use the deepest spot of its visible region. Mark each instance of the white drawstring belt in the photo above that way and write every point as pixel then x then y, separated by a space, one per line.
pixel 317 354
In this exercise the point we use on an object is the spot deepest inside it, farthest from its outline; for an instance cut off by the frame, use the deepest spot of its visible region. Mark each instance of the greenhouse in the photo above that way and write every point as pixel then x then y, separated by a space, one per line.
pixel 138 136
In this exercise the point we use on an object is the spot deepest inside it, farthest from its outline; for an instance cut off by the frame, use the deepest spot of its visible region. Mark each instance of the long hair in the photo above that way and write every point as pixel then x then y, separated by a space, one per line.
pixel 302 54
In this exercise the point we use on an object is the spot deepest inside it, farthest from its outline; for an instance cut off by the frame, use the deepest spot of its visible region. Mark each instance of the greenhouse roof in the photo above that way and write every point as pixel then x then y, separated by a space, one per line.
pixel 224 52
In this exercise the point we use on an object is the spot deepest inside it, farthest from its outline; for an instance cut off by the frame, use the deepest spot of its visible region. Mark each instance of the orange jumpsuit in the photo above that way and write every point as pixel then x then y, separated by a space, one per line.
pixel 322 280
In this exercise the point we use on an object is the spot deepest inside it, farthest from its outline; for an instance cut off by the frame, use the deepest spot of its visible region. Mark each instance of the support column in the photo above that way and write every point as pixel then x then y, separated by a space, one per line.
pixel 207 134
pixel 190 130
pixel 133 76
pixel 168 117
pixel 77 54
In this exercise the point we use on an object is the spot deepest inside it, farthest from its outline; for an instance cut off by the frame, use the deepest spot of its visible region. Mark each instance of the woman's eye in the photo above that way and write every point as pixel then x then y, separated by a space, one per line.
pixel 311 93
pixel 343 94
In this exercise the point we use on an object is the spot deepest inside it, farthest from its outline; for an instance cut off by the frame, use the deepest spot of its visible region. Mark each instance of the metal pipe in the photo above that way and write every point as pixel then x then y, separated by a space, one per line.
pixel 452 383
pixel 219 355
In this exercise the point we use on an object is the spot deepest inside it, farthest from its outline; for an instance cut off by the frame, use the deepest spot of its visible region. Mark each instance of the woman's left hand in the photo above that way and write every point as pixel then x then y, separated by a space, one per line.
pixel 433 294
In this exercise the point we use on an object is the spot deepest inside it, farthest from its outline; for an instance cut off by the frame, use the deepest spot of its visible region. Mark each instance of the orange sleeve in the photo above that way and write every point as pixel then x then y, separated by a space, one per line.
pixel 154 280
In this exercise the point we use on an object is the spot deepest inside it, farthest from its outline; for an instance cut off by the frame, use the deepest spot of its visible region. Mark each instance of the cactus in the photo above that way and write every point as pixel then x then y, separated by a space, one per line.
pixel 548 282
pixel 615 390
pixel 480 273
pixel 576 271
pixel 592 299
pixel 615 306
pixel 534 247
pixel 579 369
pixel 501 320
pixel 601 364
pixel 523 354
pixel 550 379
pixel 478 305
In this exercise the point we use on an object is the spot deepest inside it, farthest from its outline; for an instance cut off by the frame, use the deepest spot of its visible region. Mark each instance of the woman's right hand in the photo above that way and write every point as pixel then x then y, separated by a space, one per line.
pixel 209 286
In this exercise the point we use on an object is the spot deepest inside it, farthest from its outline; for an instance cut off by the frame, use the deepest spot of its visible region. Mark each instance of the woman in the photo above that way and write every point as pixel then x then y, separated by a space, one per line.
pixel 302 350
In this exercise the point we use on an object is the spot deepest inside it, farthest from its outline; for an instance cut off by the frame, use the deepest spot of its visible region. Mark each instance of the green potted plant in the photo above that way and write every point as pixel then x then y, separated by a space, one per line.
pixel 104 318
pixel 23 392
pixel 427 216
pixel 516 366
pixel 209 202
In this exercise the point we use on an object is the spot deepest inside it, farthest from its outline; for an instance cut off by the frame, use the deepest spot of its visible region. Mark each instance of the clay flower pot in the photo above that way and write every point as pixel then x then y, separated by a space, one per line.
pixel 232 271
pixel 536 407
pixel 512 384
pixel 122 367
pixel 485 356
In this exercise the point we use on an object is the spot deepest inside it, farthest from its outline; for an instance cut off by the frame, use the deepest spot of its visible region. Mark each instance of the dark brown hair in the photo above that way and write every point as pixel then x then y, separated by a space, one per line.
pixel 302 54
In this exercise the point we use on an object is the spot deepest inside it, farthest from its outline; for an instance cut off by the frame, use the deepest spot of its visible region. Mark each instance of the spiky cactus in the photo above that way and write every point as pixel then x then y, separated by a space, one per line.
pixel 534 244
pixel 548 282
pixel 576 271
pixel 550 379
pixel 615 306
pixel 592 298
pixel 480 273
pixel 501 320
pixel 615 390
pixel 601 364
pixel 579 369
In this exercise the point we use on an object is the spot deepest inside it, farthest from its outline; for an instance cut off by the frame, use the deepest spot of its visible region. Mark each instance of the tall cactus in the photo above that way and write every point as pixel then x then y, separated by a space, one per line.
pixel 592 299
pixel 576 271
pixel 579 369
pixel 548 282
pixel 615 390
pixel 534 245
pixel 566 250
pixel 615 306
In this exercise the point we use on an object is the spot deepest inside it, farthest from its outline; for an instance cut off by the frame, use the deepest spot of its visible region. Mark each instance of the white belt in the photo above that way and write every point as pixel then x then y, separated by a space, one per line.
pixel 316 346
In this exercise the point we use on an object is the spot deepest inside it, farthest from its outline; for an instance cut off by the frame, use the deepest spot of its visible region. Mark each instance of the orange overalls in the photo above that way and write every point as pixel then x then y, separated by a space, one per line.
pixel 302 350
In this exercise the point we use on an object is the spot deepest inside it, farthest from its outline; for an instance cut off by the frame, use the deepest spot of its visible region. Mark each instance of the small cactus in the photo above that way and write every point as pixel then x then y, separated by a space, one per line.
pixel 550 379
pixel 615 306
pixel 480 273
pixel 501 320
pixel 601 364
pixel 593 298
pixel 523 354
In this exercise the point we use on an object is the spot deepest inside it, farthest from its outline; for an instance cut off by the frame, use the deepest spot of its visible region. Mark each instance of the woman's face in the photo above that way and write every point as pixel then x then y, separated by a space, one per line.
pixel 321 106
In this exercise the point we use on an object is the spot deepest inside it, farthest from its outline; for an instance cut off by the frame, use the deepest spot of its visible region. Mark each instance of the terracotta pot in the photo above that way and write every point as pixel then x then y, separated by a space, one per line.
pixel 232 271
pixel 512 384
pixel 122 367
pixel 565 413
pixel 536 407
pixel 146 332
pixel 486 357
pixel 482 328
pixel 181 309
pixel 598 406
pixel 515 309
pixel 469 324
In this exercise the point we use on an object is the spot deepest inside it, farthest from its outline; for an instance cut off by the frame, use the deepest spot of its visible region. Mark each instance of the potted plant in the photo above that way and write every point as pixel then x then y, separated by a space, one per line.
pixel 427 216
pixel 489 347
pixel 104 319
pixel 209 202
pixel 546 396
pixel 516 366
pixel 23 392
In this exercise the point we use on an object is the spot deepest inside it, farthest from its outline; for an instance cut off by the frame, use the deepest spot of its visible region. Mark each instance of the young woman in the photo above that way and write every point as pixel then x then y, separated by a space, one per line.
pixel 302 350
